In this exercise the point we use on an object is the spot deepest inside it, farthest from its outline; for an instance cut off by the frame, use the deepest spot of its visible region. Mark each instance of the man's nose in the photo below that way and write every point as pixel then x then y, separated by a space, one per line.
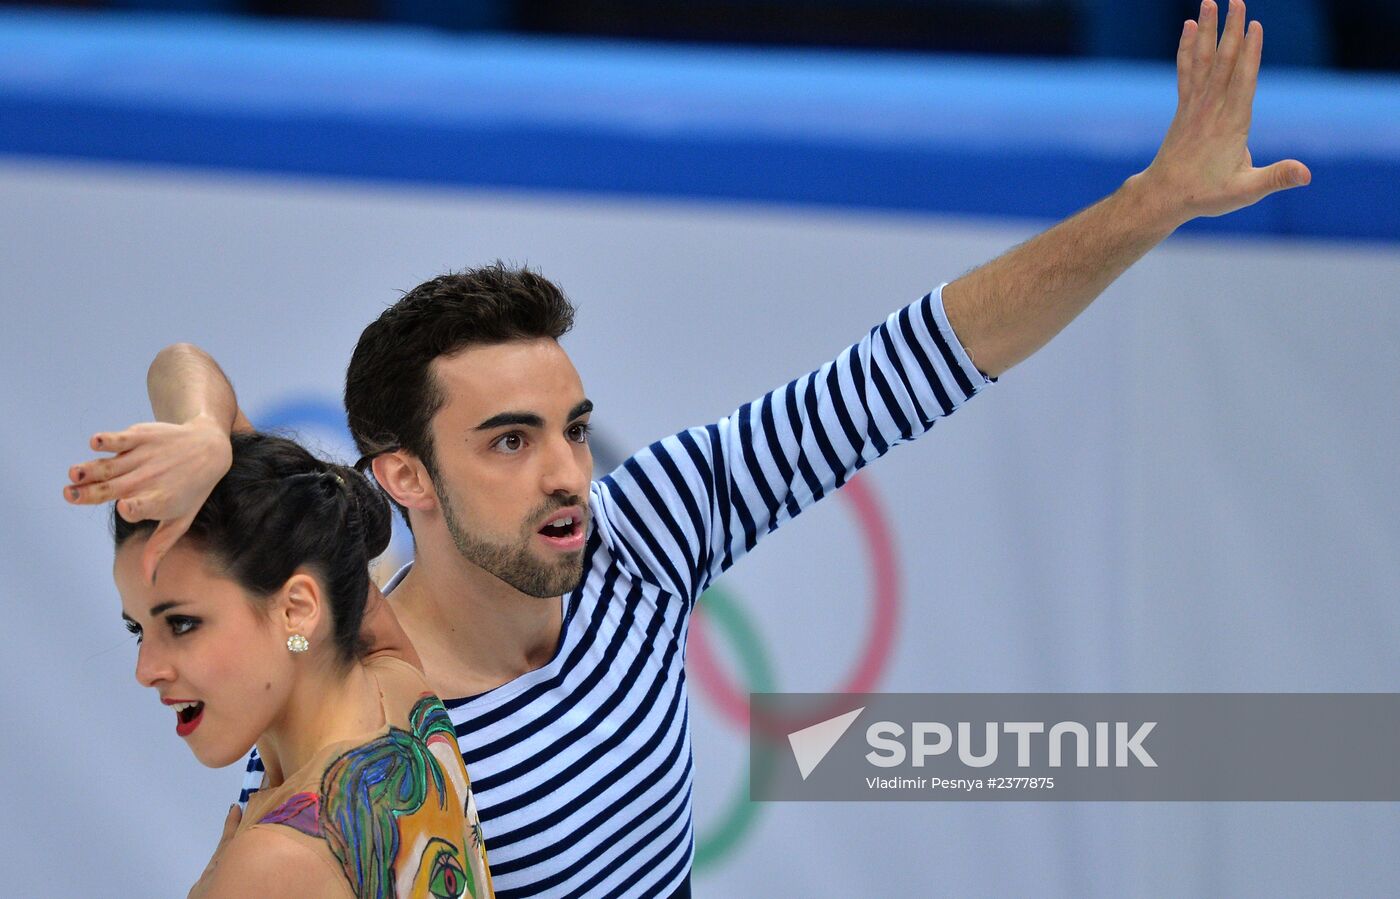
pixel 567 469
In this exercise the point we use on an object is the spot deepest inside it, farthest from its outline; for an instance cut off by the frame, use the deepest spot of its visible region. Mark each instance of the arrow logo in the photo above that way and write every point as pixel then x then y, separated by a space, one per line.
pixel 811 744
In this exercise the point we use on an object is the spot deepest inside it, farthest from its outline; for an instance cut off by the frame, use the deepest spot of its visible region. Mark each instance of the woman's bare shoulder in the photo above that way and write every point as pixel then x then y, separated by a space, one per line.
pixel 271 861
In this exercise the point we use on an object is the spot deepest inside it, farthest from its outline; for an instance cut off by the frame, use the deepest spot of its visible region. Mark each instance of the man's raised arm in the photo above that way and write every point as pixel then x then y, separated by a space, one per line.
pixel 1010 307
pixel 164 470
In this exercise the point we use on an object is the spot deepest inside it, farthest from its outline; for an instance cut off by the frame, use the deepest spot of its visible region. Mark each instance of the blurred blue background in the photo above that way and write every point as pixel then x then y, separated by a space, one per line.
pixel 1359 34
pixel 1192 489
pixel 876 129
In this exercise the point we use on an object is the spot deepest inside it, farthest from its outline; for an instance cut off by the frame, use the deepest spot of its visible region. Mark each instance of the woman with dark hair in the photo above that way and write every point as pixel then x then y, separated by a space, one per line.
pixel 251 632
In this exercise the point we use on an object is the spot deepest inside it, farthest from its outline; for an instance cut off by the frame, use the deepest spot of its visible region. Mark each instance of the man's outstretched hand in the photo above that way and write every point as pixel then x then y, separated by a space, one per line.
pixel 161 472
pixel 1007 309
pixel 1203 167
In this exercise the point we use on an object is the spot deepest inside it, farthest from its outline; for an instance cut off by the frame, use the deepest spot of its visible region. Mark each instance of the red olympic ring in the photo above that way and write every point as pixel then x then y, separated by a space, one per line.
pixel 734 705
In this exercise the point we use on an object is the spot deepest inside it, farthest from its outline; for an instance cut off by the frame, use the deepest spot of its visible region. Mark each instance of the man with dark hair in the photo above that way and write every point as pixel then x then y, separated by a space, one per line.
pixel 552 610
pixel 389 396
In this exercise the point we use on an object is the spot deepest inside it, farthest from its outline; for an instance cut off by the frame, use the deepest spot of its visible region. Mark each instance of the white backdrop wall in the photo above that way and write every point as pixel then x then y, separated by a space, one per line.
pixel 1192 489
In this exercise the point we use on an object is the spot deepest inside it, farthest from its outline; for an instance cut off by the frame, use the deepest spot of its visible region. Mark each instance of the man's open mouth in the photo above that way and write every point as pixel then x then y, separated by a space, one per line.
pixel 562 527
pixel 564 531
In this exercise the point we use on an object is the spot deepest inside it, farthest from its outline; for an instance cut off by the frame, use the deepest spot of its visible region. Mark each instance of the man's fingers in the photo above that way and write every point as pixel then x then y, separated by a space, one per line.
pixel 1205 45
pixel 165 536
pixel 1240 97
pixel 1296 174
pixel 1227 55
pixel 1280 176
pixel 1184 51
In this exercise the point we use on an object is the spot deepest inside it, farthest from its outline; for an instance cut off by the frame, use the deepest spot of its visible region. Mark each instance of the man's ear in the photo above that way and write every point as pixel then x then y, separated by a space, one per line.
pixel 301 606
pixel 405 478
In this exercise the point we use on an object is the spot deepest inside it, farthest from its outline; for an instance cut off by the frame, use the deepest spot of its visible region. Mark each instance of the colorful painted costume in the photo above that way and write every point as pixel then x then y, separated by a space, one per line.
pixel 394 812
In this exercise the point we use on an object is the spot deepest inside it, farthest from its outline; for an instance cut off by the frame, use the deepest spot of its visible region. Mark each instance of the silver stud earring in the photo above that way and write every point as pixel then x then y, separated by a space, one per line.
pixel 298 643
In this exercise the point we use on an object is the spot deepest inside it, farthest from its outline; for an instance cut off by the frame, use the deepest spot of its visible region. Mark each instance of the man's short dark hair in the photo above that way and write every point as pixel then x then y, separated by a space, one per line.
pixel 390 393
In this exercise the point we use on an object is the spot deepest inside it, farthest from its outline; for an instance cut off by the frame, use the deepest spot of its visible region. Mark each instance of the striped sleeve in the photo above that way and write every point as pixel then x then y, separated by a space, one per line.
pixel 684 509
pixel 252 777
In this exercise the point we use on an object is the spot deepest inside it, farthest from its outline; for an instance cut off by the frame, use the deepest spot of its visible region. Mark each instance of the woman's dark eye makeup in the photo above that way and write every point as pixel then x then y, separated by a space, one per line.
pixel 179 625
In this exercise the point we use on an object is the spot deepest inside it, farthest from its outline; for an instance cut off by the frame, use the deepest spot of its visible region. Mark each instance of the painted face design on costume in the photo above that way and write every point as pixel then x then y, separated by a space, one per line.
pixel 441 866
pixel 397 813
pixel 424 864
pixel 428 865
pixel 443 872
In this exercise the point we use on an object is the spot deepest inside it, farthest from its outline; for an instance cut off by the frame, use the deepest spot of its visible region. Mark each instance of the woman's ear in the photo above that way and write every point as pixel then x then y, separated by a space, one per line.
pixel 405 478
pixel 302 607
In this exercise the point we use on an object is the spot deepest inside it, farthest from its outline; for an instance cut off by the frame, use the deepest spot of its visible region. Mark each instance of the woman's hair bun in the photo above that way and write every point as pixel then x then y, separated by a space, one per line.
pixel 375 517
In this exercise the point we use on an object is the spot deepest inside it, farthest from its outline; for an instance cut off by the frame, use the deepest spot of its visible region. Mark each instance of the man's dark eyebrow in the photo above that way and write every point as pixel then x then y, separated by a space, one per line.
pixel 164 607
pixel 528 419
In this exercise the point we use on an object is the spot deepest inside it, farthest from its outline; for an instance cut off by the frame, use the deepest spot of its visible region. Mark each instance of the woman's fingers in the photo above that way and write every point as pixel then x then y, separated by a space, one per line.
pixel 167 533
pixel 103 491
pixel 118 441
pixel 97 470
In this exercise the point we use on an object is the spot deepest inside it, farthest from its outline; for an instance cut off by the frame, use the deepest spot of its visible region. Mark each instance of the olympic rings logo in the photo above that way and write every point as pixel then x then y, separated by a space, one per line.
pixel 717 614
pixel 717 609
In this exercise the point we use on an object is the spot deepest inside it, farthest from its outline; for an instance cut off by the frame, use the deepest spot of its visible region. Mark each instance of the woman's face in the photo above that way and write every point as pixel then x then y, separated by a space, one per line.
pixel 213 656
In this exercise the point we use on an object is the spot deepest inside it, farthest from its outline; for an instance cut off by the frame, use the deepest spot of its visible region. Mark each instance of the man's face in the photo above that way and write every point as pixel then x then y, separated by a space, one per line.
pixel 513 464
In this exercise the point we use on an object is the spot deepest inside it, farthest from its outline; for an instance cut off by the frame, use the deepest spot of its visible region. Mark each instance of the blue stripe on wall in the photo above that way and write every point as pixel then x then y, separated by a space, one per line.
pixel 892 132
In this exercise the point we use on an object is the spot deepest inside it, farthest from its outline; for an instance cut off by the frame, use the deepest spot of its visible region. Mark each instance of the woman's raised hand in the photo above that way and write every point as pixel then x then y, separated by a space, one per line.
pixel 158 471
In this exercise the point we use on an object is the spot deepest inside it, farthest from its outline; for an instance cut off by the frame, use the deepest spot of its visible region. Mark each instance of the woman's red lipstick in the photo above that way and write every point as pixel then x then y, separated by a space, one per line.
pixel 188 718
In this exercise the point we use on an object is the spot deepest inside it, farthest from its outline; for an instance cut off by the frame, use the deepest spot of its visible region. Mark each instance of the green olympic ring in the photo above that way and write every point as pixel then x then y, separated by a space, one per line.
pixel 738 815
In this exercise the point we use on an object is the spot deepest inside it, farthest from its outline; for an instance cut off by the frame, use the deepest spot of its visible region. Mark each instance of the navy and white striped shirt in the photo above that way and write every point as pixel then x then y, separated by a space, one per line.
pixel 582 768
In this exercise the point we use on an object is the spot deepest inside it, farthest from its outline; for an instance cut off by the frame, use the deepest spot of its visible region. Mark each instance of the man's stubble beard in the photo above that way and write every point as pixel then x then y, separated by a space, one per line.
pixel 514 564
